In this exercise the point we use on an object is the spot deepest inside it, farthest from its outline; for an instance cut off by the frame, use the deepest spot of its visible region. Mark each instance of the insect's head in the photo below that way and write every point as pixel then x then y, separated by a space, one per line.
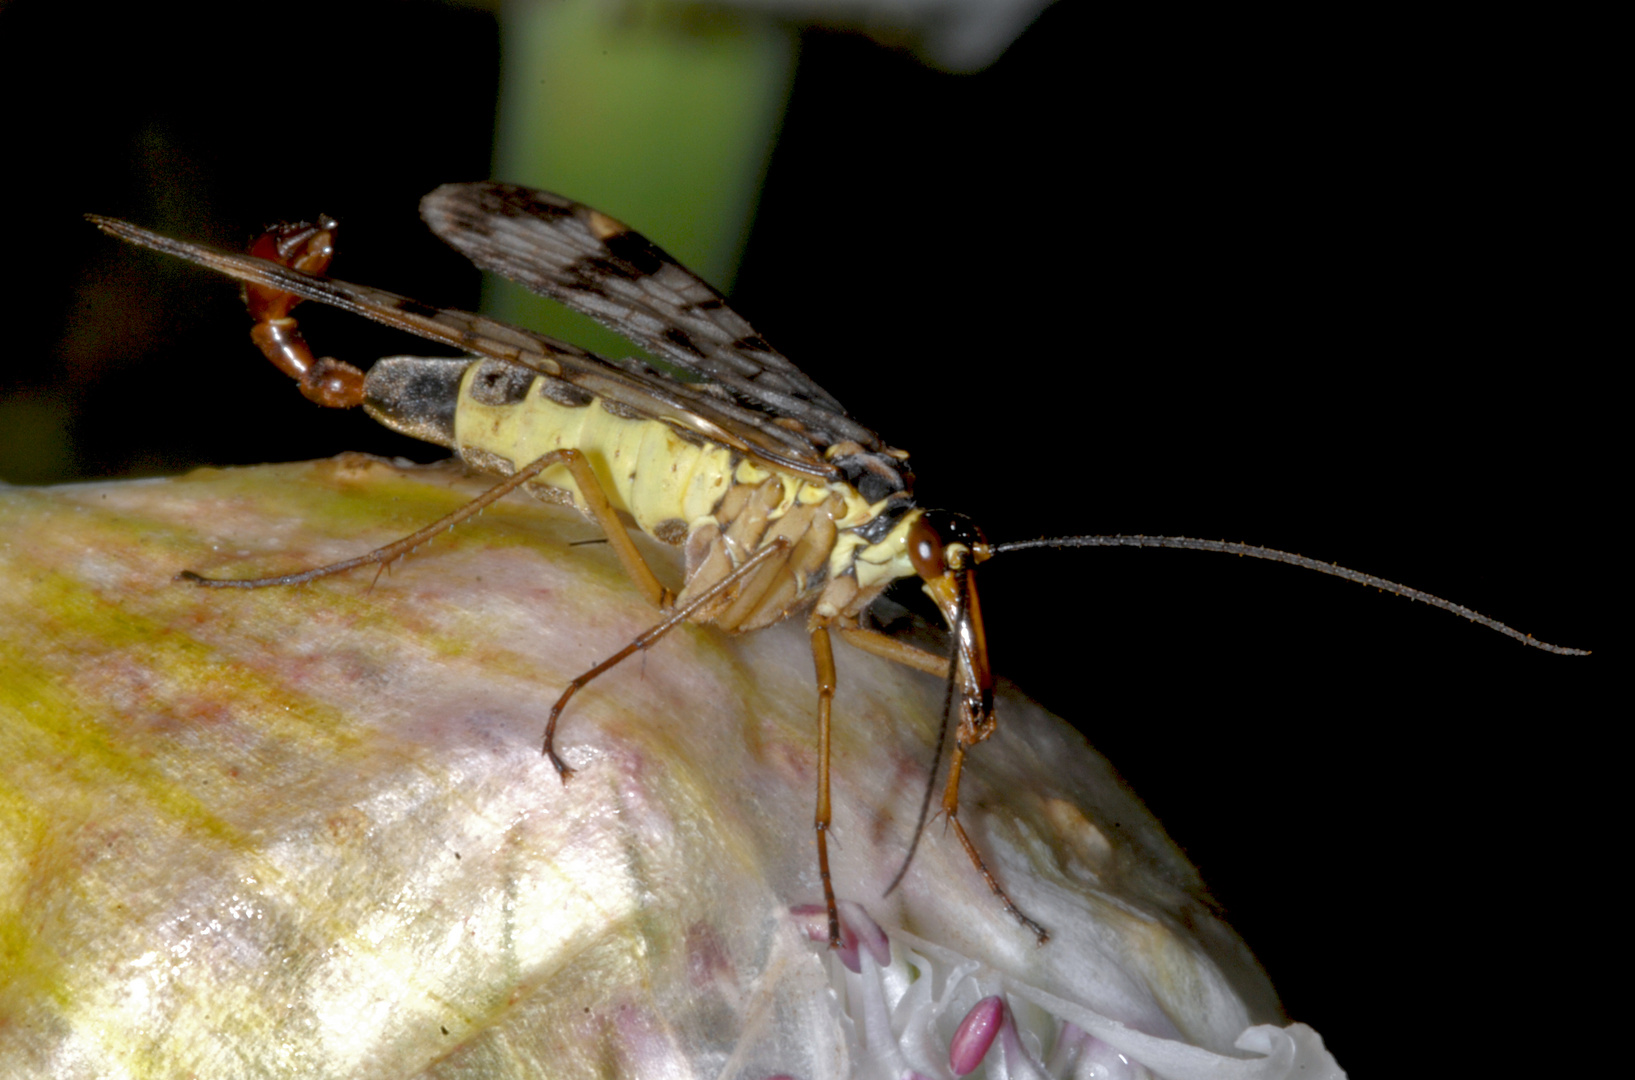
pixel 941 542
pixel 944 547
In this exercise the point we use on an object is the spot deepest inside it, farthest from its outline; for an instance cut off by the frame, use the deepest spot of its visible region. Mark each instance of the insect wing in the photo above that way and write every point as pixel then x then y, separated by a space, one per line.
pixel 590 262
pixel 629 383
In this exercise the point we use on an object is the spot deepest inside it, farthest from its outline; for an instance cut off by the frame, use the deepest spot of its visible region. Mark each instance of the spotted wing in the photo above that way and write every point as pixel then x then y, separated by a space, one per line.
pixel 765 408
pixel 628 383
pixel 596 265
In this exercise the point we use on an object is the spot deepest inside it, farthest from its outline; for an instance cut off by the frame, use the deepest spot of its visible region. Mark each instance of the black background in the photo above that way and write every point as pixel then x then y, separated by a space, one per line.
pixel 1328 285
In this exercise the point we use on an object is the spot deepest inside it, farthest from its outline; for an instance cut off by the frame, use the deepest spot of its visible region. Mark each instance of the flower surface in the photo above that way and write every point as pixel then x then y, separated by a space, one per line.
pixel 308 831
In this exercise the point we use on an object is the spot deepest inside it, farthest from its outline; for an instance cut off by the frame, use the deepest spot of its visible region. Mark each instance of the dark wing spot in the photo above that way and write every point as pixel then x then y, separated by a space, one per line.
pixel 638 251
pixel 678 337
pixel 513 200
pixel 593 268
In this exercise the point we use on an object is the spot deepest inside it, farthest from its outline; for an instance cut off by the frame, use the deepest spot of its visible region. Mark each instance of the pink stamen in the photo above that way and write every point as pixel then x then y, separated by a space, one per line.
pixel 975 1034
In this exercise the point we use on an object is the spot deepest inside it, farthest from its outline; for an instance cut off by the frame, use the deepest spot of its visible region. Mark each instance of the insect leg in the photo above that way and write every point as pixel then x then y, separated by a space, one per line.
pixel 382 555
pixel 823 658
pixel 618 537
pixel 971 732
pixel 889 648
pixel 950 807
pixel 676 617
pixel 575 462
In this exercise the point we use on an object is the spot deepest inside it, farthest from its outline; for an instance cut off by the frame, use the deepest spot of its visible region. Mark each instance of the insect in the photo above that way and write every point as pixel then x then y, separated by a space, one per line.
pixel 780 501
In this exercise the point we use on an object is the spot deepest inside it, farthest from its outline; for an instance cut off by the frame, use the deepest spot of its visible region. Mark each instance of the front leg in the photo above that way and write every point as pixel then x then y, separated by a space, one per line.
pixel 823 658
pixel 974 726
pixel 950 809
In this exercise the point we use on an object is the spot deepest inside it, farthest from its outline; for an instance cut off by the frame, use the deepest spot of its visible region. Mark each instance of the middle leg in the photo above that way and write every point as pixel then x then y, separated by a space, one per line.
pixel 823 658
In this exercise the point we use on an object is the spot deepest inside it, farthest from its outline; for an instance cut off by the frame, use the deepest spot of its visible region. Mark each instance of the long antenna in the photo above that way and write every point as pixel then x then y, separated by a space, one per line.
pixel 1274 555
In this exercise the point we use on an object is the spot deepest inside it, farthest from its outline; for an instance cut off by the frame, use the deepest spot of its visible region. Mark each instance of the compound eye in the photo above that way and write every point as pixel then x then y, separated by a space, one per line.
pixel 934 533
pixel 925 550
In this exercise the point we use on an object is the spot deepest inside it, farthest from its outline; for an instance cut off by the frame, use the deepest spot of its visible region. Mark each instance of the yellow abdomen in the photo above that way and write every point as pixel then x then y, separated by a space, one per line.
pixel 664 482
pixel 678 488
